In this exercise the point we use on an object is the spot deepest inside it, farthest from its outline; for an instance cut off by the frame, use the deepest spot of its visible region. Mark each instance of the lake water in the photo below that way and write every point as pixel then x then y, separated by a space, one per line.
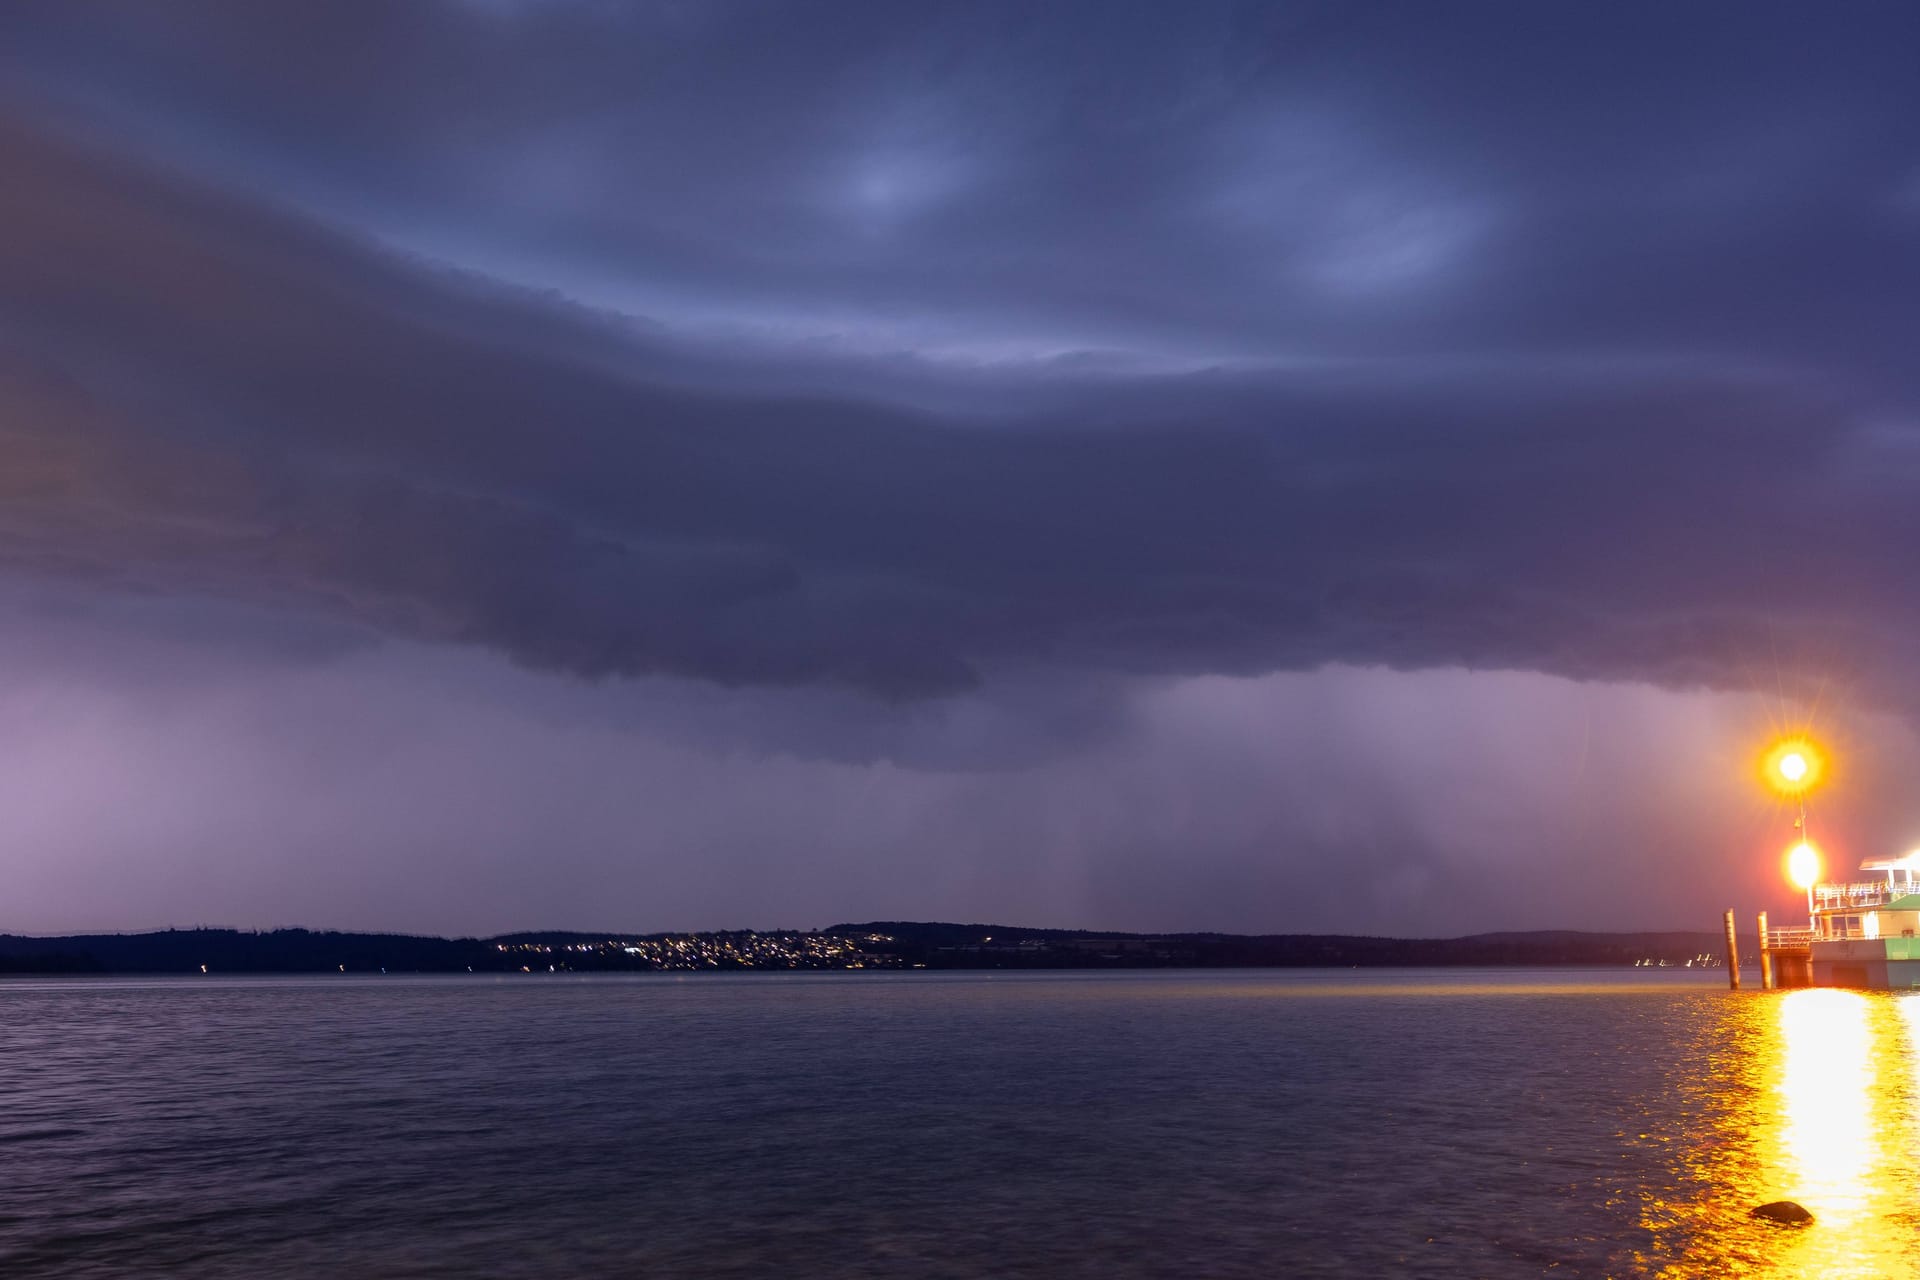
pixel 1131 1124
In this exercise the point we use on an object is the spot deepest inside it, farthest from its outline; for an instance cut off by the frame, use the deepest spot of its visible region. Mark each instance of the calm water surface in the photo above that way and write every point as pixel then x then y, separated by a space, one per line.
pixel 1149 1124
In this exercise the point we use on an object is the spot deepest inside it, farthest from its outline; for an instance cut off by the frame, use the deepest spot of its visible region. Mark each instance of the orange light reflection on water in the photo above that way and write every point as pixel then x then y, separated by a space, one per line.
pixel 1812 1101
pixel 1831 1141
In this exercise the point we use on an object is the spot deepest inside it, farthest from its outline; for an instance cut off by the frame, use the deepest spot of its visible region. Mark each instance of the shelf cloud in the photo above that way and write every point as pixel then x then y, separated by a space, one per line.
pixel 871 363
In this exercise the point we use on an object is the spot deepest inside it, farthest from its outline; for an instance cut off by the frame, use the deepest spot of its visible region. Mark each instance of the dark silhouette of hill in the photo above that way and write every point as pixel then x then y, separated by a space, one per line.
pixel 943 945
pixel 243 951
pixel 933 945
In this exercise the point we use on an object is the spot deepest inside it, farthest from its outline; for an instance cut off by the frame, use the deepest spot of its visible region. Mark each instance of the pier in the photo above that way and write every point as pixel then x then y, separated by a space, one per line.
pixel 1786 955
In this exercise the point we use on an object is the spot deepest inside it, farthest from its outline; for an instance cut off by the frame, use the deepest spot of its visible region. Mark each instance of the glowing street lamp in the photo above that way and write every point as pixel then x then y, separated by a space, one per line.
pixel 1803 868
pixel 1793 767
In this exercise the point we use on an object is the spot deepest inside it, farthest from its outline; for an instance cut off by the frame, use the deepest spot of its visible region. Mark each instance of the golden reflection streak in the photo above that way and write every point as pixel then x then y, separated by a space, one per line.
pixel 1842 1146
pixel 1814 1103
pixel 1829 1132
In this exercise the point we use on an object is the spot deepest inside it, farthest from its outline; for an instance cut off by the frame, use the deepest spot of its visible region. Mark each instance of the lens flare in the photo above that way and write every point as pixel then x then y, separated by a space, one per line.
pixel 1793 767
pixel 1803 865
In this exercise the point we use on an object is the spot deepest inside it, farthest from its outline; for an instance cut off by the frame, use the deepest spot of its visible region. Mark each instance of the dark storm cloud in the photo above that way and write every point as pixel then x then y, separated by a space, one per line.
pixel 830 344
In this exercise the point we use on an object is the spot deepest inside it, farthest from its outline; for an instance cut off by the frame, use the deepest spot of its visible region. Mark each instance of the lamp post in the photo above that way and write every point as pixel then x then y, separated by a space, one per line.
pixel 1793 768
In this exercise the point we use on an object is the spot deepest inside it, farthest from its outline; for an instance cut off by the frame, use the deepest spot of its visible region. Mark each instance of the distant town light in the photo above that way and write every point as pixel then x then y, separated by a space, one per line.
pixel 1803 865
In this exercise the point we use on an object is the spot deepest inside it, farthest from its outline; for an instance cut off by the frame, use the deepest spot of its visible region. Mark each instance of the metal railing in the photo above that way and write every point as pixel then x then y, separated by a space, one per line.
pixel 1789 938
pixel 1834 897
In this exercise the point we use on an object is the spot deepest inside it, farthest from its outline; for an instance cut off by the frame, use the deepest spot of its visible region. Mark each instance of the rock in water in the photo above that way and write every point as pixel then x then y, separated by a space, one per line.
pixel 1783 1211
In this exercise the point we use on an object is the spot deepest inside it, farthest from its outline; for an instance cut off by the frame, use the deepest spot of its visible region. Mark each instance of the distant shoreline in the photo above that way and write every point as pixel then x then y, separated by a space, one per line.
pixel 873 945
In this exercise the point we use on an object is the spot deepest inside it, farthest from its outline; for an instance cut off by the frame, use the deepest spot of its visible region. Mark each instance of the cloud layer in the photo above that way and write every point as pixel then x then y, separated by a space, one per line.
pixel 886 357
pixel 1295 367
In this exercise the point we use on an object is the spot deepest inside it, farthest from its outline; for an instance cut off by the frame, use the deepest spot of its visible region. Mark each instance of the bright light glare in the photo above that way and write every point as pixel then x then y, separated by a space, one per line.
pixel 1793 766
pixel 1803 865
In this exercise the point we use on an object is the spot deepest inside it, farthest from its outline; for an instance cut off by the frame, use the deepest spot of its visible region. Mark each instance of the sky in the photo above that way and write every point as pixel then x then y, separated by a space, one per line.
pixel 1320 467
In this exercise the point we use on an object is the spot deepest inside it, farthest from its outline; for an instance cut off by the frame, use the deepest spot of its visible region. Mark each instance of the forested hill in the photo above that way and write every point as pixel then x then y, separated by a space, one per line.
pixel 1001 946
pixel 877 944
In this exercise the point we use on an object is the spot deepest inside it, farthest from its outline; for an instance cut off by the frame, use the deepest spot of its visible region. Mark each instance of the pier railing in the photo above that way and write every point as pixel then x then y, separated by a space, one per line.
pixel 1789 938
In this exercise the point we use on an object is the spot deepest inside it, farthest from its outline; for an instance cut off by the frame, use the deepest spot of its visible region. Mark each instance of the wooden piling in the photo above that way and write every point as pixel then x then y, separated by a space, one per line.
pixel 1766 956
pixel 1733 954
